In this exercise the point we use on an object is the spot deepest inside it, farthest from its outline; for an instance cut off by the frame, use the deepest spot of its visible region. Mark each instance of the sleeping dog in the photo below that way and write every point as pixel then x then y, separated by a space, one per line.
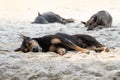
pixel 60 43
pixel 101 19
pixel 51 17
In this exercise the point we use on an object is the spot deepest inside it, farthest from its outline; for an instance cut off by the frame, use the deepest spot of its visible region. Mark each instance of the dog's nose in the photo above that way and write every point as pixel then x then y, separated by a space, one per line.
pixel 35 49
pixel 89 29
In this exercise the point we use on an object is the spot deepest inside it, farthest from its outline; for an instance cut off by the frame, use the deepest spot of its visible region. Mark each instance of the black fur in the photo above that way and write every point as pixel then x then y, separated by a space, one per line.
pixel 88 40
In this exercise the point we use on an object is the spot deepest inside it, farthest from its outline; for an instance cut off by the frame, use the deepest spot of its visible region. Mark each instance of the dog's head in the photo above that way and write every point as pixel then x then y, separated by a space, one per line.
pixel 90 24
pixel 29 45
pixel 40 20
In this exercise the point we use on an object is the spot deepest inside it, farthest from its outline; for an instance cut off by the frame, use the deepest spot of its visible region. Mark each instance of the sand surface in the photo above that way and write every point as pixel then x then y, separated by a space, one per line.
pixel 15 19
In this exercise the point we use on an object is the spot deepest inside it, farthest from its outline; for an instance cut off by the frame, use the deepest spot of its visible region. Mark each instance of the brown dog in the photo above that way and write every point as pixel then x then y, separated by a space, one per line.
pixel 60 43
pixel 99 20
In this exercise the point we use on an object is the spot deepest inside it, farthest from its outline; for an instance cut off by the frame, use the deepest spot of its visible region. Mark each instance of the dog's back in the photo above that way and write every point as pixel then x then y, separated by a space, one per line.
pixel 69 38
pixel 103 18
pixel 51 17
pixel 88 40
pixel 40 20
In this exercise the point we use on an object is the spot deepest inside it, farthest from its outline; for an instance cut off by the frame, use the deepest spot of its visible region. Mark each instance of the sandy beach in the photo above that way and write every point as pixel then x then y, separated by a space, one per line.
pixel 16 17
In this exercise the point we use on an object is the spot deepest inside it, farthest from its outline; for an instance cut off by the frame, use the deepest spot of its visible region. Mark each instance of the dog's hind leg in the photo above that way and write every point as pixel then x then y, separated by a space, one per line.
pixel 74 46
pixel 70 42
pixel 98 49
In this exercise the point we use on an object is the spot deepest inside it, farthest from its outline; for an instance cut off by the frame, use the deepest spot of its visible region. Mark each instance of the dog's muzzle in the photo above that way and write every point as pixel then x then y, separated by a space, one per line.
pixel 37 49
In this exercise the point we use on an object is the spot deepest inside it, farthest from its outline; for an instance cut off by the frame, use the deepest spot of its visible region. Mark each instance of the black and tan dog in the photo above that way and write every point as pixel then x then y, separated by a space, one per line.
pixel 99 20
pixel 60 43
pixel 50 17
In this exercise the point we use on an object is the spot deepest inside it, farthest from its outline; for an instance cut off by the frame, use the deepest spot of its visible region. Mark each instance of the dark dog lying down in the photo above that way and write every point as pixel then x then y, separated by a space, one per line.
pixel 60 43
pixel 50 17
pixel 99 20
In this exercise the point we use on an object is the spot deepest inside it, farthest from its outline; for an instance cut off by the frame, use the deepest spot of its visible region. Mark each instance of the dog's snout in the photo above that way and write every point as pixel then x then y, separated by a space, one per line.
pixel 89 29
pixel 35 50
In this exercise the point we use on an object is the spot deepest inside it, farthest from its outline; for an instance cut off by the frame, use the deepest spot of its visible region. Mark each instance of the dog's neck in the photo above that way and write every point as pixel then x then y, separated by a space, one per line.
pixel 38 40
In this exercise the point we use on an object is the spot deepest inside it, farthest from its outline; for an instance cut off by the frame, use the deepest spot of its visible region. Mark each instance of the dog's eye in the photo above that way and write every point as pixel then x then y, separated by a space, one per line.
pixel 28 44
pixel 90 24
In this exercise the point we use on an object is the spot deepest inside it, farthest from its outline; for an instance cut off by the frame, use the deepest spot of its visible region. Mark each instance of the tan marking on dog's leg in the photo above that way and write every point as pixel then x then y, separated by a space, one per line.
pixel 101 48
pixel 77 48
pixel 52 48
pixel 55 41
pixel 82 50
pixel 98 49
pixel 61 51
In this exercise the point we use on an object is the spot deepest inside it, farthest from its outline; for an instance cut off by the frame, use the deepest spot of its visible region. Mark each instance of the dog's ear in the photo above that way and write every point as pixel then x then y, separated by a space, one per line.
pixel 39 14
pixel 18 49
pixel 22 36
pixel 95 18
pixel 83 22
